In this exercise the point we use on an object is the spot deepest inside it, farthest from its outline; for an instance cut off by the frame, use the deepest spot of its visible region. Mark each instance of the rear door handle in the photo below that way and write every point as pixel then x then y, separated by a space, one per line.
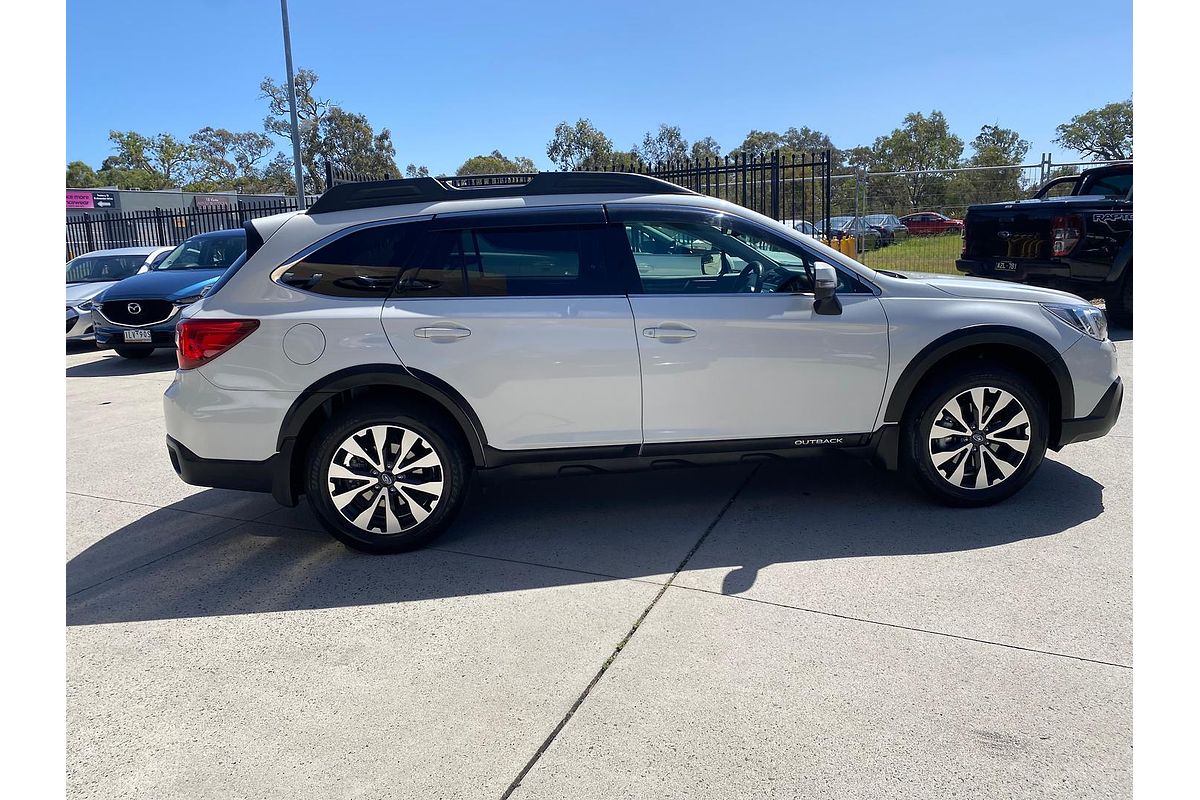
pixel 669 331
pixel 442 332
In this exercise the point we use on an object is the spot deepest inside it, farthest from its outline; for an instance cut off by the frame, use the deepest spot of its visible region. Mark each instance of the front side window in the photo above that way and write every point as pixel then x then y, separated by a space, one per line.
pixel 103 268
pixel 364 263
pixel 533 261
pixel 719 254
pixel 206 252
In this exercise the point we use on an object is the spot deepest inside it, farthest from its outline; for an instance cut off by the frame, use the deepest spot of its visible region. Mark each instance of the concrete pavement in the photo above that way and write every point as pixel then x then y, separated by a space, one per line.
pixel 787 630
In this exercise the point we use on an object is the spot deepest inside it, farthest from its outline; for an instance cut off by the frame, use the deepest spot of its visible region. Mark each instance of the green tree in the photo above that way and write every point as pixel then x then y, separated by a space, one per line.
pixel 495 164
pixel 413 171
pixel 993 147
pixel 164 160
pixel 327 132
pixel 920 147
pixel 579 146
pixel 1104 134
pixel 349 141
pixel 81 176
pixel 659 147
pixel 224 160
pixel 705 148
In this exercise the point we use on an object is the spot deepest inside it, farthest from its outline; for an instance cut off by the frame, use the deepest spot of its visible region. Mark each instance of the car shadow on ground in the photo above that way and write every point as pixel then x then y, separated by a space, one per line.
pixel 534 534
pixel 112 365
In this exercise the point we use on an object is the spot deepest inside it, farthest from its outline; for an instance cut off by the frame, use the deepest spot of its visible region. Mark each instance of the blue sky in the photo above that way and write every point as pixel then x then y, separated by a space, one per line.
pixel 455 79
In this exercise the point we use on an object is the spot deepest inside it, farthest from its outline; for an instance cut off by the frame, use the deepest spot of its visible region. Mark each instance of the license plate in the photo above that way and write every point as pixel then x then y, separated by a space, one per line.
pixel 1006 266
pixel 137 336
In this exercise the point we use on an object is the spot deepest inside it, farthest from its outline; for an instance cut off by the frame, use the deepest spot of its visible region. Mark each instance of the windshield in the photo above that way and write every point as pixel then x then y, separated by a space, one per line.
pixel 206 252
pixel 104 268
pixel 877 219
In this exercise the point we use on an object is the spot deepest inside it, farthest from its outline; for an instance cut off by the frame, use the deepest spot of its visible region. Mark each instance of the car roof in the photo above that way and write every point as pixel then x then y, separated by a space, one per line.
pixel 213 234
pixel 122 251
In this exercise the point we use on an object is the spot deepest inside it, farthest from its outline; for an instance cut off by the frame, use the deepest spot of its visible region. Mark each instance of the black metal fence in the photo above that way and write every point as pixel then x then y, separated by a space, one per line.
pixel 161 227
pixel 786 187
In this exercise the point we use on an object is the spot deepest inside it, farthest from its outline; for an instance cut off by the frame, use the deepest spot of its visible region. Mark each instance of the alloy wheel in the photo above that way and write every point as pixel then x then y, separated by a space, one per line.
pixel 385 479
pixel 979 438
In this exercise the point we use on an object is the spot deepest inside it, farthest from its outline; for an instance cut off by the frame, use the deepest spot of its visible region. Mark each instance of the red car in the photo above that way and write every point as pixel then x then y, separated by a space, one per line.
pixel 929 223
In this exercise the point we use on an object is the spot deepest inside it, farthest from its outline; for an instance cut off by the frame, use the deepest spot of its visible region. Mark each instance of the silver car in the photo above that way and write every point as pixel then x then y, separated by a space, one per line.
pixel 90 274
pixel 374 351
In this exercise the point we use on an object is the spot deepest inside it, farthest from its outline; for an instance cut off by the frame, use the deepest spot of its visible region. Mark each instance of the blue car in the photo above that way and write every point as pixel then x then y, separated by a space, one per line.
pixel 139 313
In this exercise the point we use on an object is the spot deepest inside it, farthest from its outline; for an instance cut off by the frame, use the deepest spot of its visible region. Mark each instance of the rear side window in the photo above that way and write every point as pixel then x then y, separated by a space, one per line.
pixel 364 263
pixel 537 261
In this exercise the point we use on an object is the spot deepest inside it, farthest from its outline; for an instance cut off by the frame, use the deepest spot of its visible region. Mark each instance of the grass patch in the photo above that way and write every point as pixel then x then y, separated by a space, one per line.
pixel 917 254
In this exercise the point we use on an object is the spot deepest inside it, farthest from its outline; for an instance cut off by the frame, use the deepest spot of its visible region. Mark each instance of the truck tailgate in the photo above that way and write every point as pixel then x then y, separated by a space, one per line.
pixel 1010 233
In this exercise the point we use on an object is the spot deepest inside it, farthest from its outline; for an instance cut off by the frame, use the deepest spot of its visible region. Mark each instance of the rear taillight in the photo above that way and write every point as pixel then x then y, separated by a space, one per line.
pixel 198 341
pixel 1066 231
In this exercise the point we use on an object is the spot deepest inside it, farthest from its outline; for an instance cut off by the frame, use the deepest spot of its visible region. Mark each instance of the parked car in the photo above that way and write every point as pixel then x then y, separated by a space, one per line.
pixel 866 237
pixel 374 351
pixel 931 223
pixel 1082 242
pixel 889 226
pixel 92 273
pixel 803 225
pixel 139 313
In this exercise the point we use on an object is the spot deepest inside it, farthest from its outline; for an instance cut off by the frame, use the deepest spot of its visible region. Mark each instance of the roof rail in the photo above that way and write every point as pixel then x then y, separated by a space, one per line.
pixel 370 194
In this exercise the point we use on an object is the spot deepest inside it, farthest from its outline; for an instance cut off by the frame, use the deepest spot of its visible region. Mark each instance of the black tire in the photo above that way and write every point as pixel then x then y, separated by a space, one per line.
pixel 437 435
pixel 1118 307
pixel 926 408
pixel 134 352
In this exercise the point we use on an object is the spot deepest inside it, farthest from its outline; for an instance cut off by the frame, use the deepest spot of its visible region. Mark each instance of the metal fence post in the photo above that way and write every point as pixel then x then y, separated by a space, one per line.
pixel 88 234
pixel 160 223
pixel 775 184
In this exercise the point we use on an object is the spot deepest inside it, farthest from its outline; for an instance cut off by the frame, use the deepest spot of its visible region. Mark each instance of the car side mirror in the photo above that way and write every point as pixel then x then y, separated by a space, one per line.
pixel 825 282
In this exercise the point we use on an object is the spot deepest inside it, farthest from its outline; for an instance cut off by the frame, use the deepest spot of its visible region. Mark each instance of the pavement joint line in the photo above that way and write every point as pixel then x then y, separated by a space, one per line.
pixel 545 566
pixel 549 740
pixel 170 508
pixel 221 532
pixel 901 627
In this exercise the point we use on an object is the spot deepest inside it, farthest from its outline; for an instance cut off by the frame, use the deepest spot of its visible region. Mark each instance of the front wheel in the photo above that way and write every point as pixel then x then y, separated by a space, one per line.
pixel 975 436
pixel 385 481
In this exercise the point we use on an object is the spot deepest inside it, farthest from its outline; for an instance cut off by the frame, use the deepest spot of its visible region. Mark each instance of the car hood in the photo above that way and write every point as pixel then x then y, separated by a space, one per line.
pixel 988 289
pixel 78 292
pixel 166 284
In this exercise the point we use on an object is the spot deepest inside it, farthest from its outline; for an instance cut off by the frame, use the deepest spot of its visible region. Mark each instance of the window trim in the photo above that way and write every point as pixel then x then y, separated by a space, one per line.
pixel 483 219
pixel 633 212
pixel 279 271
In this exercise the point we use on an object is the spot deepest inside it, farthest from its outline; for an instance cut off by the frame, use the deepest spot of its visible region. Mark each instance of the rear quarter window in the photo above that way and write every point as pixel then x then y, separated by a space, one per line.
pixel 364 263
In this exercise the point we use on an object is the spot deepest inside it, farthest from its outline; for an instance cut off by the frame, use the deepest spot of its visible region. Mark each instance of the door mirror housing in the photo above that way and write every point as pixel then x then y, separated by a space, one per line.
pixel 825 283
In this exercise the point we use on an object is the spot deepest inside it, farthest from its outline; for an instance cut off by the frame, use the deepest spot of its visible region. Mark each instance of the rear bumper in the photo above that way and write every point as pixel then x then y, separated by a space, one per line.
pixel 272 476
pixel 1099 422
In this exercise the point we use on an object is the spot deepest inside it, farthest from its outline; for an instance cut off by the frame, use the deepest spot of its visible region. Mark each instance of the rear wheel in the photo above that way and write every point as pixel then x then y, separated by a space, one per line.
pixel 134 352
pixel 975 435
pixel 385 481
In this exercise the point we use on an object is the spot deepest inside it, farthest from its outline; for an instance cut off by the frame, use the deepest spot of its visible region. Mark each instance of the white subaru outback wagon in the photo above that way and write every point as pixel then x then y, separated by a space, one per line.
pixel 376 350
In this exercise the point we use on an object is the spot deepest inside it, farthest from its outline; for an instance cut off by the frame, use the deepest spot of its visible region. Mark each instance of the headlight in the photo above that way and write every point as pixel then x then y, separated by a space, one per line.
pixel 187 301
pixel 1085 319
pixel 87 305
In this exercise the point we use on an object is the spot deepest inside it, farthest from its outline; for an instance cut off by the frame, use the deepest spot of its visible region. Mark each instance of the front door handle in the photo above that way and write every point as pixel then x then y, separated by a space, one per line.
pixel 442 332
pixel 670 332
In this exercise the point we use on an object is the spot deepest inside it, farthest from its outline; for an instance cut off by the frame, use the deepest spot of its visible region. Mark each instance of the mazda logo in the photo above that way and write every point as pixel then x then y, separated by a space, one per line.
pixel 1004 234
pixel 134 308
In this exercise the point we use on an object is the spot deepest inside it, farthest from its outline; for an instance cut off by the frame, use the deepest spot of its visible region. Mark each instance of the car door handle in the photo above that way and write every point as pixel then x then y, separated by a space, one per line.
pixel 442 332
pixel 669 332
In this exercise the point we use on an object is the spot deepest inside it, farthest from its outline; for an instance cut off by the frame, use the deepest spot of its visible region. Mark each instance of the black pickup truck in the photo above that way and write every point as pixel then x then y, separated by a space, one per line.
pixel 1081 242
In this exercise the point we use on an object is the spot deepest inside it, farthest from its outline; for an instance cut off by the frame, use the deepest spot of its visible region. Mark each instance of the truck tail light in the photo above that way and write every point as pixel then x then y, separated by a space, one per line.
pixel 198 341
pixel 1066 232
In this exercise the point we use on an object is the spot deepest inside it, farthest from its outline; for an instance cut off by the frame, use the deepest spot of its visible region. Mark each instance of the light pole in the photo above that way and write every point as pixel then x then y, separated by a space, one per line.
pixel 291 79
